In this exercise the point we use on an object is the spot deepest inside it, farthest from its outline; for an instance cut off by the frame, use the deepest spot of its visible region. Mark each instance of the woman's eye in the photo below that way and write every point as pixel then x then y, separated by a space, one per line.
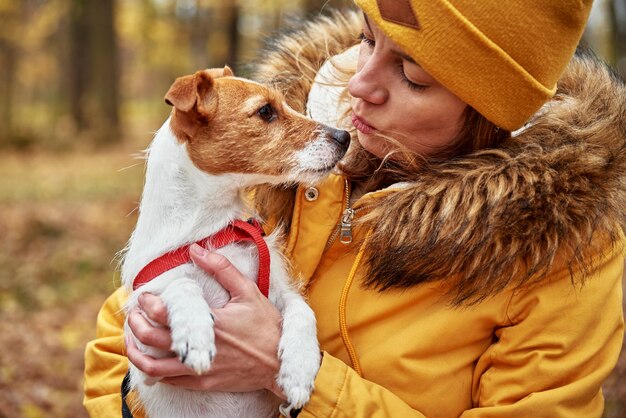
pixel 409 83
pixel 367 40
pixel 267 113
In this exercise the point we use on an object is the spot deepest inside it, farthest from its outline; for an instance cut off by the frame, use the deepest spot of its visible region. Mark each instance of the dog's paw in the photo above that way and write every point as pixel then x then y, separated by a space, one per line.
pixel 194 344
pixel 297 374
pixel 297 397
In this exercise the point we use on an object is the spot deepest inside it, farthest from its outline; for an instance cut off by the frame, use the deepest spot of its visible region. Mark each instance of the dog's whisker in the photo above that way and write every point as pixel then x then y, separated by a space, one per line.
pixel 119 170
pixel 135 209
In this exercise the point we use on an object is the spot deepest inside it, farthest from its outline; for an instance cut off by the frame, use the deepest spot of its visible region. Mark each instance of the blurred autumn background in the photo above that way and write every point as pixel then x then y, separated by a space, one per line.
pixel 81 87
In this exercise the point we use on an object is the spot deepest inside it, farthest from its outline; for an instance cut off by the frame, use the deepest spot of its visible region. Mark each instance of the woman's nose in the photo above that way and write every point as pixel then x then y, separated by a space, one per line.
pixel 368 83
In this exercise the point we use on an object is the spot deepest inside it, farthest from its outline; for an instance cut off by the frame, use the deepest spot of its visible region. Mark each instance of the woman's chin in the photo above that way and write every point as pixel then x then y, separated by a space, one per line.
pixel 372 144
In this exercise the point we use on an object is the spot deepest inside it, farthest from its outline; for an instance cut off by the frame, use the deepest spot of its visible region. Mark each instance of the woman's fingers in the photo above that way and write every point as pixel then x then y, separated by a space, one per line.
pixel 148 334
pixel 159 368
pixel 154 308
pixel 223 271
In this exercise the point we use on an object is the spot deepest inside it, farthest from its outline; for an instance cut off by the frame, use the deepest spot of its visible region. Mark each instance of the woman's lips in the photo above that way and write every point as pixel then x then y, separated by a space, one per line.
pixel 361 125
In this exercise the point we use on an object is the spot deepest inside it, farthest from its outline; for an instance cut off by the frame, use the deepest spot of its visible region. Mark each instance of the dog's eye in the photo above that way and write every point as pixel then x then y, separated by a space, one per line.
pixel 267 113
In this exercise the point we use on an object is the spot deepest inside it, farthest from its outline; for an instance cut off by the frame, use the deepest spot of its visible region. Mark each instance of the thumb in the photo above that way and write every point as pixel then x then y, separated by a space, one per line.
pixel 221 269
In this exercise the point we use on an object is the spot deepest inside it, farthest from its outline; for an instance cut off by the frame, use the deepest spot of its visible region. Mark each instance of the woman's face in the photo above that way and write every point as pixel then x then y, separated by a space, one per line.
pixel 395 97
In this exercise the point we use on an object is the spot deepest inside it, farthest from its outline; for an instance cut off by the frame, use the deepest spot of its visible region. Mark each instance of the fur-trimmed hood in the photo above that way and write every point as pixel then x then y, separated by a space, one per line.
pixel 548 198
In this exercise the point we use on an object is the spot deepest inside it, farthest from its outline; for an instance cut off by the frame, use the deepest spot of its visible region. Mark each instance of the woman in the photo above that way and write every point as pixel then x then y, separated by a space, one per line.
pixel 454 269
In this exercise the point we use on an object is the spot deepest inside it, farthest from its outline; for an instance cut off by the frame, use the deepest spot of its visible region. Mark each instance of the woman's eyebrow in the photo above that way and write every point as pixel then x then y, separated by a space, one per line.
pixel 406 57
pixel 397 52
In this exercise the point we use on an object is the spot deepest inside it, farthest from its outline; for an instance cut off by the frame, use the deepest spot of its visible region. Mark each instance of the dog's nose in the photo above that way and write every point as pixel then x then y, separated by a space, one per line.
pixel 341 137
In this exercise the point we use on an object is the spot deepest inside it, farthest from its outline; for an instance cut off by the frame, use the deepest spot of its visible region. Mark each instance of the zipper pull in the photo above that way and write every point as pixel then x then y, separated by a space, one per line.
pixel 345 235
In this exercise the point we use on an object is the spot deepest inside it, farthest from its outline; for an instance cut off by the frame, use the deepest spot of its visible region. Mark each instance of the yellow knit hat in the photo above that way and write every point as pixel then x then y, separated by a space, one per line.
pixel 502 57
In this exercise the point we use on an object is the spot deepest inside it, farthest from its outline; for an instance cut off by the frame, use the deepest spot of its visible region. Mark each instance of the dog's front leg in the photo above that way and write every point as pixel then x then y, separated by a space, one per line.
pixel 191 324
pixel 298 350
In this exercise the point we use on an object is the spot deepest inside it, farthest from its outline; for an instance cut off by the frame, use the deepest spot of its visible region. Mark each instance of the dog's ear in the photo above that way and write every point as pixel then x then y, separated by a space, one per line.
pixel 228 72
pixel 186 91
pixel 194 103
pixel 220 72
pixel 206 104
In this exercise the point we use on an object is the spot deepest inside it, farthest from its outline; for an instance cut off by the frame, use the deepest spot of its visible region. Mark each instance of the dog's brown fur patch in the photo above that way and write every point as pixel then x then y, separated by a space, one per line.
pixel 218 117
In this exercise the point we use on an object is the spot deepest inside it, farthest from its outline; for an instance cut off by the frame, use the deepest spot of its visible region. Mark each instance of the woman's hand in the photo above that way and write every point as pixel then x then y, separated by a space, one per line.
pixel 247 331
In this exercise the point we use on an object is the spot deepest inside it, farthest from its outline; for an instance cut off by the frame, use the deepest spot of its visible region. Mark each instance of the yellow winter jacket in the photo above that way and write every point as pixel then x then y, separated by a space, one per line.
pixel 539 353
pixel 406 353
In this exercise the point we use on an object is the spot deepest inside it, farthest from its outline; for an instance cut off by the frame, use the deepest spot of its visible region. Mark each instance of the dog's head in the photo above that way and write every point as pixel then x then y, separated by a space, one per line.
pixel 234 125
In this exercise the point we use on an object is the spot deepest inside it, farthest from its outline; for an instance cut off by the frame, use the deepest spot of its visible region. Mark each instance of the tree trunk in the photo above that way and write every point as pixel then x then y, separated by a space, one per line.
pixel 7 80
pixel 201 26
pixel 93 67
pixel 232 29
pixel 104 72
pixel 11 18
pixel 225 36
pixel 78 65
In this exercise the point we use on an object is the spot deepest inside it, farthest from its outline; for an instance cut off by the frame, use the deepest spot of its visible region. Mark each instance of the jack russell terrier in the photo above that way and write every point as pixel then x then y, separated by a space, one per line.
pixel 225 134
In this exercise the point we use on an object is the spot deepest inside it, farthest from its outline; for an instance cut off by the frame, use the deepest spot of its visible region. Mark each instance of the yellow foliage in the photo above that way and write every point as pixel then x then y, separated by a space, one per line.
pixel 9 6
pixel 32 411
pixel 71 337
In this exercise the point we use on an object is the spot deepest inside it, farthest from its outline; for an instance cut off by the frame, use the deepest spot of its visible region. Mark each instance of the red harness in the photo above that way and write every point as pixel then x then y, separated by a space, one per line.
pixel 237 231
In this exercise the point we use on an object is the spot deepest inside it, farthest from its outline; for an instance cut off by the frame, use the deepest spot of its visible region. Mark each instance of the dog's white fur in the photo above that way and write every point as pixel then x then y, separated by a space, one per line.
pixel 182 204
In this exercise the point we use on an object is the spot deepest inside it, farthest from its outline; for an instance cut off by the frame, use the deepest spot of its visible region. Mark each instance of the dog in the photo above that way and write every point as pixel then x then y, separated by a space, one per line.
pixel 225 134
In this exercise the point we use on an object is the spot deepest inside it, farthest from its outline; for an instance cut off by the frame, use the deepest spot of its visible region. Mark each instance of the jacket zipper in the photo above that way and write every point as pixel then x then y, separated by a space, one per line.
pixel 344 232
pixel 344 228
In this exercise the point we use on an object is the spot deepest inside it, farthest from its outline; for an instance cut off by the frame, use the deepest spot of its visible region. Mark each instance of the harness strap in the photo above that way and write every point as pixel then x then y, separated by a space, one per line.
pixel 237 231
